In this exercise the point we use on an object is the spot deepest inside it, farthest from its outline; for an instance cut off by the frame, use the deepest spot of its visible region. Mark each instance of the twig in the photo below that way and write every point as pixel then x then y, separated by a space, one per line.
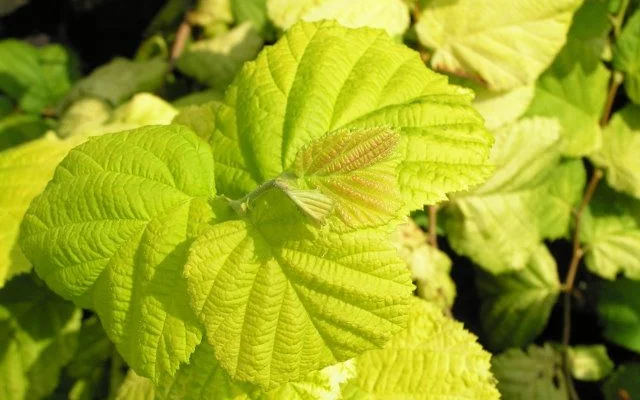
pixel 577 252
pixel 567 287
pixel 616 81
pixel 432 237
pixel 618 19
pixel 183 33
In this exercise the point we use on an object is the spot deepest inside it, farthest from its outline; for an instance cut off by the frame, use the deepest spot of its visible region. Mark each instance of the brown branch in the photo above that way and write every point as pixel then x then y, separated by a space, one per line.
pixel 433 225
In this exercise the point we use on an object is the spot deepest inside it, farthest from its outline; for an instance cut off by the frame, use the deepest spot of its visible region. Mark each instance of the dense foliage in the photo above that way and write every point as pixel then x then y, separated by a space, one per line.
pixel 303 199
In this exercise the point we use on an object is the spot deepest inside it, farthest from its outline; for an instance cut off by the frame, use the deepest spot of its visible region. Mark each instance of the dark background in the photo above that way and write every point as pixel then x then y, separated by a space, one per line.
pixel 97 30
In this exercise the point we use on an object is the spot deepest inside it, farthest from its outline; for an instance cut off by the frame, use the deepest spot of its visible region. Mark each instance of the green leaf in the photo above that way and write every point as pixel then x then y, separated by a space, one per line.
pixel 429 266
pixel 38 336
pixel 356 168
pixel 36 78
pixel 516 306
pixel 24 172
pixel 278 296
pixel 623 383
pixel 91 116
pixel 84 117
pixel 390 15
pixel 503 43
pixel 94 349
pixel 610 231
pixel 524 191
pixel 213 15
pixel 502 108
pixel 136 387
pixel 321 78
pixel 199 98
pixel 118 80
pixel 591 27
pixel 285 13
pixel 618 310
pixel 589 363
pixel 17 128
pixel 626 56
pixel 574 90
pixel 200 118
pixel 143 109
pixel 215 62
pixel 111 231
pixel 435 358
pixel 254 11
pixel 204 378
pixel 619 153
pixel 534 374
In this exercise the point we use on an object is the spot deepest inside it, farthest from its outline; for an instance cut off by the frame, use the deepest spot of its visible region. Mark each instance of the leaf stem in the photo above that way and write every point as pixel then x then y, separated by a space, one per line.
pixel 432 237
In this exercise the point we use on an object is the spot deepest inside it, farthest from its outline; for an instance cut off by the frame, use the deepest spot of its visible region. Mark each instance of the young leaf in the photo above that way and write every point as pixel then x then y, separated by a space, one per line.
pixel 321 78
pixel 618 309
pixel 611 233
pixel 574 89
pixel 38 336
pixel 589 363
pixel 534 375
pixel 435 358
pixel 624 382
pixel 215 62
pixel 356 168
pixel 503 43
pixel 516 306
pixel 619 153
pixel 500 224
pixel 280 298
pixel 626 56
pixel 111 230
pixel 24 172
